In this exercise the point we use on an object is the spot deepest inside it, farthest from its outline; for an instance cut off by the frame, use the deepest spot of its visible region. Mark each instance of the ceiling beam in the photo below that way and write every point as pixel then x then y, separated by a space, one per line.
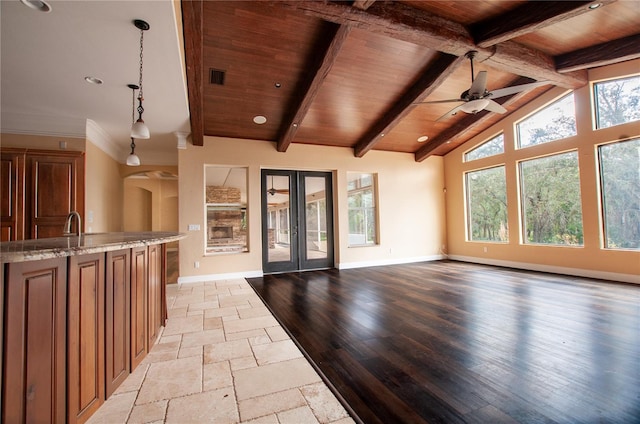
pixel 405 23
pixel 363 4
pixel 527 17
pixel 319 72
pixel 614 51
pixel 192 15
pixel 430 79
pixel 467 123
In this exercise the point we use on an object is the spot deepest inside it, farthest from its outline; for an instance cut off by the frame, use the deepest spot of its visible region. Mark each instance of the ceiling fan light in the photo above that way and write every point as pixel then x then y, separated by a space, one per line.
pixel 474 106
pixel 133 160
pixel 139 129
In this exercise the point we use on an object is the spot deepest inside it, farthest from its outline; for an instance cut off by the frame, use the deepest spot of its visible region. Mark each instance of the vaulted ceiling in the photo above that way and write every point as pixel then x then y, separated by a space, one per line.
pixel 357 74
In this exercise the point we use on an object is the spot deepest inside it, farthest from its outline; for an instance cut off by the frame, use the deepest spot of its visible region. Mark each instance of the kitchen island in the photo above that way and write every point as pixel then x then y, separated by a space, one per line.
pixel 77 316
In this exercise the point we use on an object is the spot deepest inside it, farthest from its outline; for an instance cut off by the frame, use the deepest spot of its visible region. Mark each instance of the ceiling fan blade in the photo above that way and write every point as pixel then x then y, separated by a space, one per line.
pixel 479 84
pixel 441 101
pixel 452 112
pixel 507 91
pixel 494 107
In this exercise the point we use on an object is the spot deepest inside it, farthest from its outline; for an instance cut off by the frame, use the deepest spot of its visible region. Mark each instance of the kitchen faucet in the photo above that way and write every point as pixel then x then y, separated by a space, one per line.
pixel 67 225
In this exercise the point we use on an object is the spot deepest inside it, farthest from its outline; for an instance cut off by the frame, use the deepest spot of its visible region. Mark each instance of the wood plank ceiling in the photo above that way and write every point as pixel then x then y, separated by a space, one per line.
pixel 354 74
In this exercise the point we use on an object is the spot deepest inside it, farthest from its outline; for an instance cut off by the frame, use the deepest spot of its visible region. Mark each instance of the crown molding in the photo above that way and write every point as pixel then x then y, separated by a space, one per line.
pixel 101 139
pixel 56 126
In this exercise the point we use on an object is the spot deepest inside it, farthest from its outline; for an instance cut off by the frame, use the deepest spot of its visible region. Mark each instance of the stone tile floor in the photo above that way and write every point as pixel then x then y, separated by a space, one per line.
pixel 222 358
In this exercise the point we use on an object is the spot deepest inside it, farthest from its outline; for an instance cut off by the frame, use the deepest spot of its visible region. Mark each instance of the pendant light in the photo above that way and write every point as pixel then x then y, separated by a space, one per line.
pixel 139 129
pixel 133 159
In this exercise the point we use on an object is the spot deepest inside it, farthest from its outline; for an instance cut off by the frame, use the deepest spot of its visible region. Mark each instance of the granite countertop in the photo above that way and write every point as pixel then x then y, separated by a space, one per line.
pixel 38 249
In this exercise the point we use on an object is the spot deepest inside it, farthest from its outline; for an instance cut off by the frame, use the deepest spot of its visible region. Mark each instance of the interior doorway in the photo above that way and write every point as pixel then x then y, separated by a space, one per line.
pixel 297 220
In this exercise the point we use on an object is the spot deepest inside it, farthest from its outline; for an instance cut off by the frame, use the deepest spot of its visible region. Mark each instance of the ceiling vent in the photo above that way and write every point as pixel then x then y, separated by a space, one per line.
pixel 216 76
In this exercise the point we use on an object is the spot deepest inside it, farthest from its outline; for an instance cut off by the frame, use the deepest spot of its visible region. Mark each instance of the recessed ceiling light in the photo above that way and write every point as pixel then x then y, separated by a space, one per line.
pixel 93 80
pixel 39 5
pixel 595 6
pixel 259 119
pixel 278 85
pixel 423 138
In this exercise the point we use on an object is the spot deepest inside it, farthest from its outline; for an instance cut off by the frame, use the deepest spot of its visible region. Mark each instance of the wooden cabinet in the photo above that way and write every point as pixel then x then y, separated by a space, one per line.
pixel 118 318
pixel 139 284
pixel 155 293
pixel 85 336
pixel 34 386
pixel 12 203
pixel 39 189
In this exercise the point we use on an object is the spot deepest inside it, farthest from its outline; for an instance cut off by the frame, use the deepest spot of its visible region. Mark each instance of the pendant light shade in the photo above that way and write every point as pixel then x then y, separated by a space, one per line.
pixel 133 160
pixel 139 129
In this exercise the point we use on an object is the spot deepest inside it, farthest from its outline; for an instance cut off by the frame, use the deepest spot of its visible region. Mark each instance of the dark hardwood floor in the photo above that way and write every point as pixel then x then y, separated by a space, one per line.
pixel 450 342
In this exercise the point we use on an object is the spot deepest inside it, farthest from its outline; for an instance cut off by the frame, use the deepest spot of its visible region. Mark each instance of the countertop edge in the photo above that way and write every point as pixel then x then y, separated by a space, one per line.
pixel 83 245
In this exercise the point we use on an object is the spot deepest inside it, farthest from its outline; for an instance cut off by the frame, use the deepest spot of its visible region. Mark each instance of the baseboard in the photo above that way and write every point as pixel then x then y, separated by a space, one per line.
pixel 398 261
pixel 219 277
pixel 578 272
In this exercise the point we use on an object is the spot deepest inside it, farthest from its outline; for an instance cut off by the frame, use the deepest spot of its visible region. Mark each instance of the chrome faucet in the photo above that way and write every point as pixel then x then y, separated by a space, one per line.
pixel 67 225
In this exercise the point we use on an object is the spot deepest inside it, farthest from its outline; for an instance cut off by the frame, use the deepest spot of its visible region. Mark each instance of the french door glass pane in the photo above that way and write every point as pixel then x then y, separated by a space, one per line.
pixel 315 218
pixel 279 230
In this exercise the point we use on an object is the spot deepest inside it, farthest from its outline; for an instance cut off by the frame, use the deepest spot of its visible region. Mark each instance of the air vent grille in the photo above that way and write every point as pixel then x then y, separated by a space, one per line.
pixel 216 76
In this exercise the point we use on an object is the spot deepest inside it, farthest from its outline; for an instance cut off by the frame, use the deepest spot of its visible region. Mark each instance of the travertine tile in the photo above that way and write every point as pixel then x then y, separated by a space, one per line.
pixel 212 323
pixel 166 380
pixel 276 352
pixel 269 419
pixel 221 312
pixel 270 404
pixel 180 325
pixel 272 378
pixel 116 410
pixel 302 415
pixel 186 352
pixel 134 380
pixel 217 406
pixel 149 412
pixel 249 324
pixel 226 351
pixel 246 334
pixel 243 363
pixel 163 352
pixel 277 333
pixel 169 339
pixel 323 403
pixel 177 312
pixel 260 311
pixel 202 338
pixel 347 420
pixel 203 305
pixel 216 376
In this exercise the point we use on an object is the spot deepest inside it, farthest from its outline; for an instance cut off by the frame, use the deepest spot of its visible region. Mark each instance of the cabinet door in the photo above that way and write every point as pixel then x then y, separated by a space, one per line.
pixel 154 292
pixel 138 305
pixel 12 204
pixel 85 336
pixel 55 184
pixel 118 320
pixel 35 337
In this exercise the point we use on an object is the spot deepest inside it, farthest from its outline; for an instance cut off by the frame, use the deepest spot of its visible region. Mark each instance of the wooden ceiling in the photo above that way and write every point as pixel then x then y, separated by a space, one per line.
pixel 354 74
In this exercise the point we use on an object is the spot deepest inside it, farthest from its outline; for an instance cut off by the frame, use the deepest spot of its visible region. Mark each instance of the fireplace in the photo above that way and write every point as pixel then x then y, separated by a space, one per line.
pixel 221 233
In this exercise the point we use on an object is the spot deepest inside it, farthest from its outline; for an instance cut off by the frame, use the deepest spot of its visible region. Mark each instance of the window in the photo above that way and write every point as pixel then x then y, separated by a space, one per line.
pixel 226 209
pixel 362 209
pixel 554 122
pixel 617 101
pixel 620 188
pixel 492 147
pixel 487 205
pixel 550 196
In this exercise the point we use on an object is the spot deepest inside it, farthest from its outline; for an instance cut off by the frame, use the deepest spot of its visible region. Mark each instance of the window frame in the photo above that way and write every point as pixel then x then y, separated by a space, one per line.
pixel 516 125
pixel 373 208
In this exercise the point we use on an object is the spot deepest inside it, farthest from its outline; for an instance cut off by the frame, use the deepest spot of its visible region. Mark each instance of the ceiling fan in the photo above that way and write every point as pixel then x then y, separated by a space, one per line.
pixel 272 191
pixel 478 98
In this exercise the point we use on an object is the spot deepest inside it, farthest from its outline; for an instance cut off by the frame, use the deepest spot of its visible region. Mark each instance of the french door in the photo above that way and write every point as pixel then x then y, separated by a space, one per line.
pixel 297 220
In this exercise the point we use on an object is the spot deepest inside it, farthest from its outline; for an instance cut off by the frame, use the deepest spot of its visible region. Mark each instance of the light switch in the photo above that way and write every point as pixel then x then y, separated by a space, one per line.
pixel 194 227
